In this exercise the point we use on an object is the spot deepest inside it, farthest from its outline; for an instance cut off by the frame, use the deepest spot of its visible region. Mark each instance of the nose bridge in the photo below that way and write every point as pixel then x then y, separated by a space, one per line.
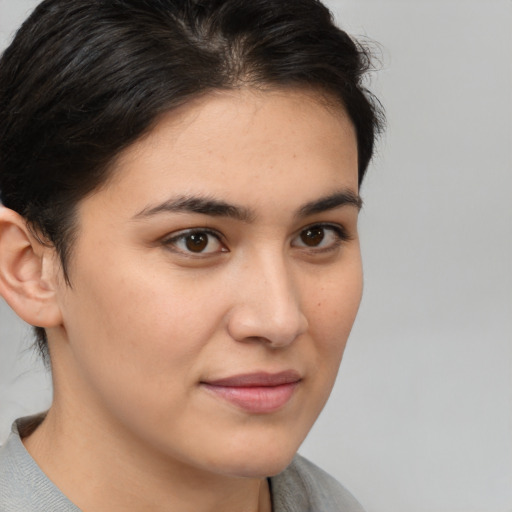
pixel 269 304
pixel 277 285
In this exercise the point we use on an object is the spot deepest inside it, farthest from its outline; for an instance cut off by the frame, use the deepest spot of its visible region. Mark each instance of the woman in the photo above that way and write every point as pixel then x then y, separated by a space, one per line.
pixel 180 182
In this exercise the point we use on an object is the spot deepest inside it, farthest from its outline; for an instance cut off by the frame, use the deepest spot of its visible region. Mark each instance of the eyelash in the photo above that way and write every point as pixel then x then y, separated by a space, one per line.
pixel 339 232
pixel 172 241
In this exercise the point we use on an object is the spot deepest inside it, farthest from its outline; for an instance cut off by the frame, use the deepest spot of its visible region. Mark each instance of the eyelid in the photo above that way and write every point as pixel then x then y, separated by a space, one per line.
pixel 339 230
pixel 169 241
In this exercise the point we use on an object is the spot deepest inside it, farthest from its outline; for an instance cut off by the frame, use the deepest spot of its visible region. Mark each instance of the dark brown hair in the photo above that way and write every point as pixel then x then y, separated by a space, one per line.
pixel 84 79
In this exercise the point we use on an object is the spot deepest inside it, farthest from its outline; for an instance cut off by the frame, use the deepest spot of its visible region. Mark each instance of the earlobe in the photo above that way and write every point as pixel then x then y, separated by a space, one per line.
pixel 27 272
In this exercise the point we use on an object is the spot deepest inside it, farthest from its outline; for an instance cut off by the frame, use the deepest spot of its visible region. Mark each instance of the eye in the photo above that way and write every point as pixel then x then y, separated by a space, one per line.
pixel 195 242
pixel 321 237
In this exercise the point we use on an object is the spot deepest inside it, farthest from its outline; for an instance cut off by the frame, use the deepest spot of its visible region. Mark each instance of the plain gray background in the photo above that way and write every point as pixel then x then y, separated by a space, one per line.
pixel 420 419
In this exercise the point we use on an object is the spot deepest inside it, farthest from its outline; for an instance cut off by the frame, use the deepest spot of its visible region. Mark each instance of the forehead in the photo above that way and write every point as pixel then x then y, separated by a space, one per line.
pixel 241 144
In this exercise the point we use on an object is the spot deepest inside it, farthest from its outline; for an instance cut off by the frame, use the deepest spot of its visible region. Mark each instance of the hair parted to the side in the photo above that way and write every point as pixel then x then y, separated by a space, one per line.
pixel 84 79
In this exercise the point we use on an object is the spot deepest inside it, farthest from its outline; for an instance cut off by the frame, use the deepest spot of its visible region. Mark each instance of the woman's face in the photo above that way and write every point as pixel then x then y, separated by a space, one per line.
pixel 215 280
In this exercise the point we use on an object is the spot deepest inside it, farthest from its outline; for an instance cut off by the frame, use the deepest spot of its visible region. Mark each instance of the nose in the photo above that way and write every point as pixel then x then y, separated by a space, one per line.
pixel 267 305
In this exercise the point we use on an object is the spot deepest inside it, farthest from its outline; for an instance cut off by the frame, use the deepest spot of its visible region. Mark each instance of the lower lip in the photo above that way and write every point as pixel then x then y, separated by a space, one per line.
pixel 256 399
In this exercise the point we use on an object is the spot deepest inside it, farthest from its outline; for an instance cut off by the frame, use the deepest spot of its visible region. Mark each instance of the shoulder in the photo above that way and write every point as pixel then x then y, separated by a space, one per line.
pixel 304 487
pixel 23 486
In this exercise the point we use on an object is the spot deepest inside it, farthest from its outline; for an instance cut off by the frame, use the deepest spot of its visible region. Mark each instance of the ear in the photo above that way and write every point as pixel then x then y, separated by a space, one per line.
pixel 28 272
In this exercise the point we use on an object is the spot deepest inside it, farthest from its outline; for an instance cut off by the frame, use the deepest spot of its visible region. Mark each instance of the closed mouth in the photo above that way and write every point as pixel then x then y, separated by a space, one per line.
pixel 258 392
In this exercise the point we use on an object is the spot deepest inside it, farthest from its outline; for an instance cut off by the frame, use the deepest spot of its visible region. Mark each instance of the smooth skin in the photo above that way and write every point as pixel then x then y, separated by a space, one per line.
pixel 224 243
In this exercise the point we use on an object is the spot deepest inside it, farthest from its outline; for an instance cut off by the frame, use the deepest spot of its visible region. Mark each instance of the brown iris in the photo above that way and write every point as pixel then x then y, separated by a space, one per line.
pixel 197 242
pixel 312 236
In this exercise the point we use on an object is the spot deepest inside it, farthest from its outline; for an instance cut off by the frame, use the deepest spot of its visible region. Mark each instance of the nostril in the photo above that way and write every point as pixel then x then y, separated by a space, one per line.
pixel 269 307
pixel 275 328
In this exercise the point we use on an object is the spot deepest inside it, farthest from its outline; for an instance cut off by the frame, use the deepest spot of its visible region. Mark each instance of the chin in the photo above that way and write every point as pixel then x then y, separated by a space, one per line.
pixel 260 447
pixel 258 462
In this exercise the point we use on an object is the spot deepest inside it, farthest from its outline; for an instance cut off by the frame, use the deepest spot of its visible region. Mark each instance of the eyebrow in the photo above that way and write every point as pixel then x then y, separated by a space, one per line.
pixel 218 208
pixel 331 202
pixel 197 204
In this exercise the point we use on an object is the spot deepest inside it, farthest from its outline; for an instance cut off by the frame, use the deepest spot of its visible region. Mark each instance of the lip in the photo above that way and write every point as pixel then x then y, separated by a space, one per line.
pixel 258 393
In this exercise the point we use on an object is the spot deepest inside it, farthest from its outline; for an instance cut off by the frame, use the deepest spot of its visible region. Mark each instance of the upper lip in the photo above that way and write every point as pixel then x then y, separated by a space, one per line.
pixel 257 379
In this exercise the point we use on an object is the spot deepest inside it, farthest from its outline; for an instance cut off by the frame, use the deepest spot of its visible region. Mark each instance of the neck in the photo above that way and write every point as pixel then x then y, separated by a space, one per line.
pixel 100 467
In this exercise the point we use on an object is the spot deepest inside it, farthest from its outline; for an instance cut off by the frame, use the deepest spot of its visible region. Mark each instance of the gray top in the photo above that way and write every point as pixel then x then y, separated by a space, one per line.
pixel 301 487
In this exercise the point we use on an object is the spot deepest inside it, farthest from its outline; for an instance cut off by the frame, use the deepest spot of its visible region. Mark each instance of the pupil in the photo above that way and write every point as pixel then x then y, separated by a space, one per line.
pixel 313 236
pixel 197 242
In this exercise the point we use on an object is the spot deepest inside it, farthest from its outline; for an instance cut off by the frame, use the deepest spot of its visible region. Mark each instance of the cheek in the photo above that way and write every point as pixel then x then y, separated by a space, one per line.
pixel 142 334
pixel 333 303
pixel 150 321
pixel 332 309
